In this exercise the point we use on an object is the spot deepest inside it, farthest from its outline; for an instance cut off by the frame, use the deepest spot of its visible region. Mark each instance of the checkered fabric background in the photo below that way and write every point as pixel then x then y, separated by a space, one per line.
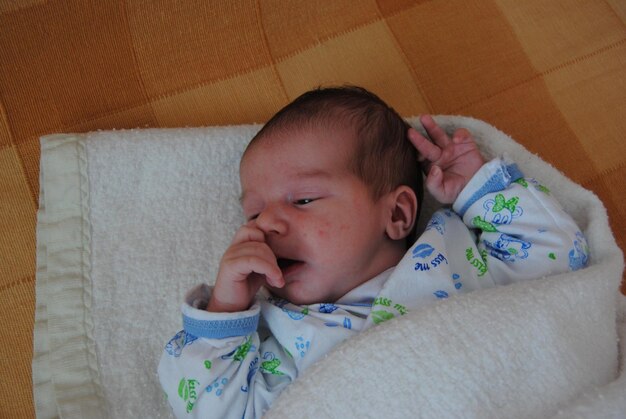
pixel 552 74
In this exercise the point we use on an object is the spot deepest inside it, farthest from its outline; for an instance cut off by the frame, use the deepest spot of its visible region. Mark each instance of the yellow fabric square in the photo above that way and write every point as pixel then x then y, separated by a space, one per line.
pixel 460 51
pixel 391 7
pixel 5 131
pixel 529 115
pixel 17 313
pixel 557 31
pixel 29 152
pixel 601 80
pixel 296 25
pixel 367 57
pixel 619 7
pixel 17 220
pixel 251 97
pixel 193 42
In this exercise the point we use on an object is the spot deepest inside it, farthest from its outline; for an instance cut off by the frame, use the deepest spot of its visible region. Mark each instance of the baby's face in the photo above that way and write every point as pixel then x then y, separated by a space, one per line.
pixel 318 218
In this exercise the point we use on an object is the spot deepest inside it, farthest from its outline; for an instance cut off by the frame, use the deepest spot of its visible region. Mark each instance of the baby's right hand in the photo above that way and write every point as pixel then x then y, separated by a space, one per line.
pixel 247 265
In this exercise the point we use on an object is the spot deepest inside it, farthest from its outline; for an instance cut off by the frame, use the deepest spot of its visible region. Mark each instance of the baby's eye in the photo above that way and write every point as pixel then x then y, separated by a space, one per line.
pixel 303 201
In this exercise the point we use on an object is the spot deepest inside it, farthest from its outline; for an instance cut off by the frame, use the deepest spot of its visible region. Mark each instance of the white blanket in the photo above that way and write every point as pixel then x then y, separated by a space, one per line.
pixel 130 220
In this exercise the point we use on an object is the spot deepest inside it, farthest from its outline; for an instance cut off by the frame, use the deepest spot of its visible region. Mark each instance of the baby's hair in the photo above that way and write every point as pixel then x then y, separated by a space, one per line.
pixel 384 158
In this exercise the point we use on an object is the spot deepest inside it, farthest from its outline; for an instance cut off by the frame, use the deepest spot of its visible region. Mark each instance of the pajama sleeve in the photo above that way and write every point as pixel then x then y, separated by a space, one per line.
pixel 217 366
pixel 522 232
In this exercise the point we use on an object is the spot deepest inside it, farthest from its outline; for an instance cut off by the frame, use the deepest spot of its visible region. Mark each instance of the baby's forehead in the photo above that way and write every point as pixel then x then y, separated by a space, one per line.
pixel 340 133
pixel 307 149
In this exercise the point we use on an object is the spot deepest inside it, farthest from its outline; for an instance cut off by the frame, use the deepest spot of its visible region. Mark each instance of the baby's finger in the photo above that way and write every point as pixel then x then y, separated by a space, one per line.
pixel 435 184
pixel 434 180
pixel 258 253
pixel 245 265
pixel 438 135
pixel 248 233
pixel 461 136
pixel 426 149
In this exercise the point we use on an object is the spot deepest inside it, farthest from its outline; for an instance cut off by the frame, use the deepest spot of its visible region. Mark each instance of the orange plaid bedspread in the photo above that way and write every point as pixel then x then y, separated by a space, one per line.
pixel 550 74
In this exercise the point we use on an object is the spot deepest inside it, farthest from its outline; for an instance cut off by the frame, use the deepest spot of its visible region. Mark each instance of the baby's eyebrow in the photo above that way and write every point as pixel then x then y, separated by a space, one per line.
pixel 313 173
pixel 300 176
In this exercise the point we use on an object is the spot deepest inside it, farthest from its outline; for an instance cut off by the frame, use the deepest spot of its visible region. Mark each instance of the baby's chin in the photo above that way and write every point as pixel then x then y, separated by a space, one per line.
pixel 294 295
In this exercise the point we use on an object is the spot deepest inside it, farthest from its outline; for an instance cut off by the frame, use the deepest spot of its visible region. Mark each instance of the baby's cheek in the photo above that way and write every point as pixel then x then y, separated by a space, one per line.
pixel 339 229
pixel 325 230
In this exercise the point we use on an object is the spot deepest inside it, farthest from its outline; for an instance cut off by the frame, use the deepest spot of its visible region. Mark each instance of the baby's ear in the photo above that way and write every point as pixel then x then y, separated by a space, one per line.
pixel 403 205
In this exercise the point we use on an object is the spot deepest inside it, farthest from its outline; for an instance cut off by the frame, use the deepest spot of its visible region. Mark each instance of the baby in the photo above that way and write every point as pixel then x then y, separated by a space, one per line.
pixel 331 192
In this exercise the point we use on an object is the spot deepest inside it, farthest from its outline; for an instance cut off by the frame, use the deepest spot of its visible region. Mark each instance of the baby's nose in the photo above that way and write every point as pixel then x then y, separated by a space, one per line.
pixel 271 222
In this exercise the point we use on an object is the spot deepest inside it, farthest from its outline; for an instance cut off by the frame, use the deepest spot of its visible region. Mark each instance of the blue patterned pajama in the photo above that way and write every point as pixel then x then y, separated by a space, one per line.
pixel 502 228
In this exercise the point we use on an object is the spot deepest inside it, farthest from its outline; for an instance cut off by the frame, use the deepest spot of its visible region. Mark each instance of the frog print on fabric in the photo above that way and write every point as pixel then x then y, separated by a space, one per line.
pixel 271 364
pixel 240 352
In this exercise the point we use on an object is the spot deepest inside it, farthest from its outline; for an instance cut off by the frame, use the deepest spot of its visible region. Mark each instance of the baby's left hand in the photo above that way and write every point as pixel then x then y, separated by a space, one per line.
pixel 449 163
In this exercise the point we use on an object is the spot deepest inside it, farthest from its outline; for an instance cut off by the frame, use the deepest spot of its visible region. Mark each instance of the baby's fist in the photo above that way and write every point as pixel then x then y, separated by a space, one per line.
pixel 247 264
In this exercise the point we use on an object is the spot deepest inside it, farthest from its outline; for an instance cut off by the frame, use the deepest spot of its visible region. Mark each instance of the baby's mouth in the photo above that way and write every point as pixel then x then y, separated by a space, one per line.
pixel 286 264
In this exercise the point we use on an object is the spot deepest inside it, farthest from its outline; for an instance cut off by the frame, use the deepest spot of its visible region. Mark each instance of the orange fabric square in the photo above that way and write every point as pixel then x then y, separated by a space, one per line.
pixel 60 76
pixel 460 52
pixel 600 80
pixel 17 220
pixel 194 42
pixel 141 116
pixel 251 97
pixel 557 31
pixel 25 89
pixel 529 115
pixel 296 25
pixel 367 57
pixel 16 5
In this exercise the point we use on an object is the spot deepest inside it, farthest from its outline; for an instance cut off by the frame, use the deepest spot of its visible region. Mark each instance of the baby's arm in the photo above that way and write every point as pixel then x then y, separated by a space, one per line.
pixel 523 232
pixel 218 366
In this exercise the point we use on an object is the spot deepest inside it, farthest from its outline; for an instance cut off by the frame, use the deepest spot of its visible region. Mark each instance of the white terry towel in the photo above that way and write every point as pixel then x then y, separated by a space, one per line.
pixel 130 220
